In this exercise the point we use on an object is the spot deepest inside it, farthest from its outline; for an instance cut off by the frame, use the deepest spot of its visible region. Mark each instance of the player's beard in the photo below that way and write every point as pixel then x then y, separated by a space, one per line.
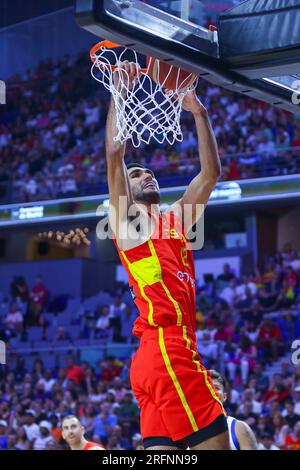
pixel 150 197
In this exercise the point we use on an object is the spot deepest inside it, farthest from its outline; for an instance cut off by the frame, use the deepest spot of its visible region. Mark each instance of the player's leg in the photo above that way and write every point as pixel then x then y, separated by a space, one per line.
pixel 215 436
pixel 154 432
pixel 219 442
pixel 186 397
pixel 153 427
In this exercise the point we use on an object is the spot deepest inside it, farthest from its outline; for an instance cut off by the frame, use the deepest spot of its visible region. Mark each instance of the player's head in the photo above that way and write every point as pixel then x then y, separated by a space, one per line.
pixel 143 183
pixel 72 430
pixel 266 439
pixel 219 383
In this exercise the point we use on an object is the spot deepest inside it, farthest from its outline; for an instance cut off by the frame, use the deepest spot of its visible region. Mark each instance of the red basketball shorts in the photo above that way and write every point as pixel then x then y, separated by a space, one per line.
pixel 174 392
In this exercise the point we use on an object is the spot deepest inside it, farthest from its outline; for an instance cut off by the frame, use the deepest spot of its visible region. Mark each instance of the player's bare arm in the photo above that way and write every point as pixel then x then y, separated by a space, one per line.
pixel 120 194
pixel 245 436
pixel 200 188
pixel 116 170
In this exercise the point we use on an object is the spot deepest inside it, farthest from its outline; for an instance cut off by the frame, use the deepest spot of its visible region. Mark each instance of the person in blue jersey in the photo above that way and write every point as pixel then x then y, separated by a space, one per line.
pixel 241 435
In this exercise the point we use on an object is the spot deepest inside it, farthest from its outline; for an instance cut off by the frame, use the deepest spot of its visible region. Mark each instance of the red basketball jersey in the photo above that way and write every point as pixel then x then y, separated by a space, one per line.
pixel 162 277
pixel 91 444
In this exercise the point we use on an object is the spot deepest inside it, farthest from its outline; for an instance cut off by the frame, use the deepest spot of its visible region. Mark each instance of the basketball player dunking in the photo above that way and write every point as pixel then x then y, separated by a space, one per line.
pixel 73 434
pixel 166 372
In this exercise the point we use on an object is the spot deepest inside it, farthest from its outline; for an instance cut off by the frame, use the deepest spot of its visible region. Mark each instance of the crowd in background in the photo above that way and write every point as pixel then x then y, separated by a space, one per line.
pixel 251 321
pixel 52 136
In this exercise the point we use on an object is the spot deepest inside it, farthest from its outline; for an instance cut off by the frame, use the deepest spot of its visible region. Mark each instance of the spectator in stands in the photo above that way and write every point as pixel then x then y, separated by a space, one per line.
pixel 227 275
pixel 243 306
pixel 103 323
pixel 245 358
pixel 40 443
pixel 289 413
pixel 207 347
pixel 292 439
pixel 11 440
pixel 88 416
pixel 279 425
pixel 287 295
pixel 75 373
pixel 266 442
pixel 225 332
pixel 247 414
pixel 255 313
pixel 277 392
pixel 297 400
pixel 122 441
pixel 3 437
pixel 14 319
pixel 48 381
pixel 128 412
pixel 137 443
pixel 22 293
pixel 127 320
pixel 37 301
pixel 109 369
pixel 38 370
pixel 286 324
pixel 245 286
pixel 30 426
pixel 251 331
pixel 269 340
pixel 261 379
pixel 113 443
pixel 40 414
pixel 56 430
pixel 230 293
pixel 104 422
pixel 120 390
pixel 96 393
pixel 291 277
pixel 22 441
pixel 62 335
pixel 14 288
pixel 116 312
pixel 117 308
pixel 293 261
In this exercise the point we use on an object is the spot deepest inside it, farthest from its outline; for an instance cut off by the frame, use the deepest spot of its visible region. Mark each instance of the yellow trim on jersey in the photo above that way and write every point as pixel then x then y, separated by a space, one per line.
pixel 144 274
pixel 176 306
pixel 175 380
pixel 147 271
pixel 204 372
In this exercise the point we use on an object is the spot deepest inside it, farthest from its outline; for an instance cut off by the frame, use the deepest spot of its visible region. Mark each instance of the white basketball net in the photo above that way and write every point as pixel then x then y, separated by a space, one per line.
pixel 146 110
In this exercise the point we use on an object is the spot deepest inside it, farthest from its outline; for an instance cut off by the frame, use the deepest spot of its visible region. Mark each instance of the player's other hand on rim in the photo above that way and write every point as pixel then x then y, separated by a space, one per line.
pixel 192 103
pixel 126 75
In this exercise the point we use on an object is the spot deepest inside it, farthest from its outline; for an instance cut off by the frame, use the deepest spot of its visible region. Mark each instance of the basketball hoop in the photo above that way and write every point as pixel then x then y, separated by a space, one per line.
pixel 152 107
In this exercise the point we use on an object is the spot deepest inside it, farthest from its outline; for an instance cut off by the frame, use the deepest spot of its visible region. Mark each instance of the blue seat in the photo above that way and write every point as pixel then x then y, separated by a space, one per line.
pixel 42 344
pixel 35 333
pixel 49 359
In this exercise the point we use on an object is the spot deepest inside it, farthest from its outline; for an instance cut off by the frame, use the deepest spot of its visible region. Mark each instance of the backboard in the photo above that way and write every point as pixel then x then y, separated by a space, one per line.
pixel 244 54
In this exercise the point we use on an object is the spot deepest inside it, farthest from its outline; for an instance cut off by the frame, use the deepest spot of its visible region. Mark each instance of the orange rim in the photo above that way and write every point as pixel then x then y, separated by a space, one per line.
pixel 109 45
pixel 97 47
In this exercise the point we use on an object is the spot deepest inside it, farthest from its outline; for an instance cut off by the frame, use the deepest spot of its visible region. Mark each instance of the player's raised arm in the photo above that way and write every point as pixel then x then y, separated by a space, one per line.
pixel 200 188
pixel 118 184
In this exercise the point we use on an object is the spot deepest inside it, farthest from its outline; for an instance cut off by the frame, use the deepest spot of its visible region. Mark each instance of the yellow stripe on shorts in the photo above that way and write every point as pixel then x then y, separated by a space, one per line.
pixel 204 372
pixel 175 380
